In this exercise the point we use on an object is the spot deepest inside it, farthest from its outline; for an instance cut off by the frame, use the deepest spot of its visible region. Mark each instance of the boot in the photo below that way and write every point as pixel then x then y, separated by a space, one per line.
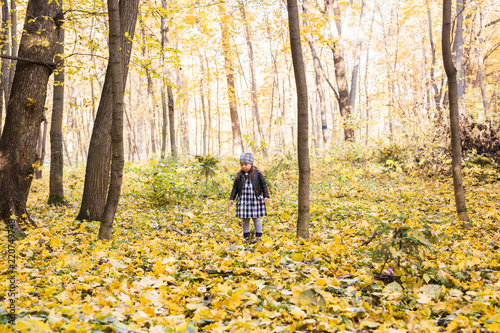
pixel 246 235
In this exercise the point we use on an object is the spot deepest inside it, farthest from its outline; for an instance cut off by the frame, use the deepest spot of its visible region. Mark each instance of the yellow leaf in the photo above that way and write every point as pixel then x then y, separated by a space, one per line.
pixel 31 325
pixel 297 313
pixel 297 256
pixel 423 298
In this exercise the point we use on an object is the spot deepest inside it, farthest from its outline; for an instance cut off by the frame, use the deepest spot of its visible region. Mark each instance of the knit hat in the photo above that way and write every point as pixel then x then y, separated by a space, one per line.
pixel 246 158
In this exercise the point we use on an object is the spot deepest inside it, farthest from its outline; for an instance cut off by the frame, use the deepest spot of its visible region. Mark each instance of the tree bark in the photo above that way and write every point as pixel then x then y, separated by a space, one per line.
pixel 319 87
pixel 165 42
pixel 13 36
pixel 56 190
pixel 259 134
pixel 357 57
pixel 183 128
pixel 367 96
pixel 437 93
pixel 480 75
pixel 302 119
pixel 451 73
pixel 118 91
pixel 25 111
pixel 42 144
pixel 171 118
pixel 458 53
pixel 164 119
pixel 203 107
pixel 340 76
pixel 231 88
pixel 4 40
pixel 99 156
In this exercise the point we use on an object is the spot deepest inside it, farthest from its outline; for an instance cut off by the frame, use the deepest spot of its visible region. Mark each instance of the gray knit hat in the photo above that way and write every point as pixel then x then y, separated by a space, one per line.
pixel 246 158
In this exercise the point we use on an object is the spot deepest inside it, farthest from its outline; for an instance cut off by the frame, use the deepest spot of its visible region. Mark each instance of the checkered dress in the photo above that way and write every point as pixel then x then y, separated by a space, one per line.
pixel 249 205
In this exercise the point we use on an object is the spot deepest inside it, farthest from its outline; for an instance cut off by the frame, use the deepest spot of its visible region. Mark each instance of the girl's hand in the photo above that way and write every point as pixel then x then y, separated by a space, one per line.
pixel 266 200
pixel 231 202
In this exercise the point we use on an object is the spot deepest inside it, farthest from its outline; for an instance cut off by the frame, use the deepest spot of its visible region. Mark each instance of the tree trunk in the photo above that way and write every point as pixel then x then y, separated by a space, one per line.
pixel 42 144
pixel 171 109
pixel 302 119
pixel 152 112
pixel 357 57
pixel 480 75
pixel 203 107
pixel 367 96
pixel 99 156
pixel 209 135
pixel 4 40
pixel 437 97
pixel 25 111
pixel 164 121
pixel 164 40
pixel 56 190
pixel 259 134
pixel 319 87
pixel 340 76
pixel 231 88
pixel 183 128
pixel 458 53
pixel 451 73
pixel 118 91
pixel 13 36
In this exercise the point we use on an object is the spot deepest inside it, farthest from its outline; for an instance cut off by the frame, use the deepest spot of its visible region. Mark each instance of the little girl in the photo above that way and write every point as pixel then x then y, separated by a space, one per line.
pixel 251 190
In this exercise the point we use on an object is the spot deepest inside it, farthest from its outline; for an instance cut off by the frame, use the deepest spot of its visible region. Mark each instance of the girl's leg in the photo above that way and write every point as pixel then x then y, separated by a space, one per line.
pixel 246 228
pixel 258 226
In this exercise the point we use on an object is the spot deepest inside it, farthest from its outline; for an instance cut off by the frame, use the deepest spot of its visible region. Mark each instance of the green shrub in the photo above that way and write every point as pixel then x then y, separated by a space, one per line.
pixel 403 242
pixel 393 153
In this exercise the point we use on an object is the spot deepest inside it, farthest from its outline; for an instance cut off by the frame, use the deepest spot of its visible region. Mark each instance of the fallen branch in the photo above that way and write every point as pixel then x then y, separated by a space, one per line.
pixel 216 272
pixel 177 231
pixel 368 241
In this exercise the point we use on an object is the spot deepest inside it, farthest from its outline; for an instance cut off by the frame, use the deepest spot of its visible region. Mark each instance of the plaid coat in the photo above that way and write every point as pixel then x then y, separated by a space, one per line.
pixel 258 183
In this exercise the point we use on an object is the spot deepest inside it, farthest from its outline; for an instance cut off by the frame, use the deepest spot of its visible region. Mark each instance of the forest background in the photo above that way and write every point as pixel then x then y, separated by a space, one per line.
pixel 215 79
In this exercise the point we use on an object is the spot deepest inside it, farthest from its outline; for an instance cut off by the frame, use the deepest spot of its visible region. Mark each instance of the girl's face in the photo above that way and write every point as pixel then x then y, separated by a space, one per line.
pixel 245 167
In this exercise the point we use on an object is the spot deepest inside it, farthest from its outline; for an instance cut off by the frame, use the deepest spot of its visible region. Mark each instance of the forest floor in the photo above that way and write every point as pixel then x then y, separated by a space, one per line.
pixel 177 261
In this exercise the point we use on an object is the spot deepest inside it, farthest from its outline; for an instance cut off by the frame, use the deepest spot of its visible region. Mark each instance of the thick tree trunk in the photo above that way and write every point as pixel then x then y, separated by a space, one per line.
pixel 302 119
pixel 118 91
pixel 56 190
pixel 231 88
pixel 451 73
pixel 343 91
pixel 340 74
pixel 99 156
pixel 25 111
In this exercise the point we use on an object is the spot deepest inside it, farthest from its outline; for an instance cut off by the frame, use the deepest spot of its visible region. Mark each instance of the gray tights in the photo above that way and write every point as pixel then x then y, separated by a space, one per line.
pixel 256 222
